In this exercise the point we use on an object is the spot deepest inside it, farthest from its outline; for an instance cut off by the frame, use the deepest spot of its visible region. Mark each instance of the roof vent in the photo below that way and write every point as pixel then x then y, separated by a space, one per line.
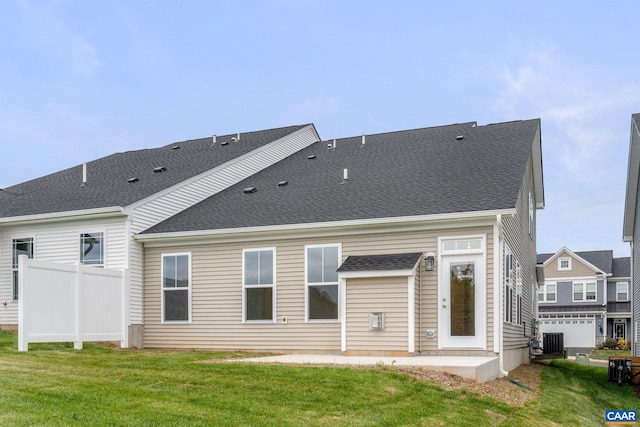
pixel 132 180
pixel 311 157
pixel 225 142
pixel 283 183
pixel 459 137
pixel 159 169
pixel 213 139
pixel 250 190
pixel 175 147
pixel 363 139
pixel 233 139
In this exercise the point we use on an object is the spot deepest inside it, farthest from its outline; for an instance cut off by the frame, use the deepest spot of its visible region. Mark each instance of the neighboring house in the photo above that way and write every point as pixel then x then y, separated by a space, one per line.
pixel 90 213
pixel 631 228
pixel 418 242
pixel 585 296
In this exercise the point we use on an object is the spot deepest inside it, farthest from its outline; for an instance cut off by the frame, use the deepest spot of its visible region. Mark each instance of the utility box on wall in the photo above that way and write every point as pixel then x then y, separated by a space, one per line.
pixel 376 320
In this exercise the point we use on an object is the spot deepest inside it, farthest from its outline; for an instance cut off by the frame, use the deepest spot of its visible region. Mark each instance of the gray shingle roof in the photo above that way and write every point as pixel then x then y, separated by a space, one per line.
pixel 107 177
pixel 621 267
pixel 380 262
pixel 414 172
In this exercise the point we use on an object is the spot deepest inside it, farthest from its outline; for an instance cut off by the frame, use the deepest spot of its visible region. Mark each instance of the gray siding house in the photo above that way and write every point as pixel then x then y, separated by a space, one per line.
pixel 585 296
pixel 631 228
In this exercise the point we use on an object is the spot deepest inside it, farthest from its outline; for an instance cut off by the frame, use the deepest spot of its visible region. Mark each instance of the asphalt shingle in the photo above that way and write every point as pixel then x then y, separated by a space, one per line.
pixel 380 262
pixel 107 178
pixel 414 172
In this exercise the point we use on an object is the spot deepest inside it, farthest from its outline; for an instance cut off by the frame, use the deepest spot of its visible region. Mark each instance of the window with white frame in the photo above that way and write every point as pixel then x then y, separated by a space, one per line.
pixel 259 282
pixel 322 263
pixel 518 293
pixel 508 284
pixel 622 291
pixel 547 292
pixel 531 215
pixel 584 291
pixel 176 287
pixel 19 247
pixel 564 264
pixel 92 249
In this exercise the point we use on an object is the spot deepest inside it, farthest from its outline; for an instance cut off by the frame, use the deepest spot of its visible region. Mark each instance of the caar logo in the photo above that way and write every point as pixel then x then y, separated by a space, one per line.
pixel 619 417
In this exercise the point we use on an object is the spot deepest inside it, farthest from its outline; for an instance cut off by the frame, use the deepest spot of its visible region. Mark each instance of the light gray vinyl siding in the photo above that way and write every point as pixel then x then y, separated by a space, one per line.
pixel 174 200
pixel 523 248
pixel 217 294
pixel 380 294
pixel 635 285
pixel 57 242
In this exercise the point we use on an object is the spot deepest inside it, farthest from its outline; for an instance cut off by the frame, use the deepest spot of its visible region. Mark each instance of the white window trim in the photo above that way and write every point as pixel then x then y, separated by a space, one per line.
pixel 15 296
pixel 477 237
pixel 626 284
pixel 189 290
pixel 104 248
pixel 531 216
pixel 272 285
pixel 509 264
pixel 584 291
pixel 545 298
pixel 307 284
pixel 560 267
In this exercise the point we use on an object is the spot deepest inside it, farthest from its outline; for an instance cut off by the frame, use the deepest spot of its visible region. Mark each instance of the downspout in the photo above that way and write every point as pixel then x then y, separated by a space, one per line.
pixel 497 303
pixel 632 284
pixel 420 308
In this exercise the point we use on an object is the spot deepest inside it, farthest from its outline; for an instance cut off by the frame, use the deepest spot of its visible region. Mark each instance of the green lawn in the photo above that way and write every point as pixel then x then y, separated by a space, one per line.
pixel 55 385
pixel 605 354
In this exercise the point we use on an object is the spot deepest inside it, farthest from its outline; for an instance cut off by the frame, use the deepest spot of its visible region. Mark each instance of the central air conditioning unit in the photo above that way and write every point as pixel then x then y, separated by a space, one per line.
pixel 376 320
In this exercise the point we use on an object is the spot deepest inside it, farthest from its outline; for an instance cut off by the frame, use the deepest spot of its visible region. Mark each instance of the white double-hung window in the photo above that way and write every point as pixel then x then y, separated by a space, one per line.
pixel 622 291
pixel 584 291
pixel 259 283
pixel 547 292
pixel 176 287
pixel 321 267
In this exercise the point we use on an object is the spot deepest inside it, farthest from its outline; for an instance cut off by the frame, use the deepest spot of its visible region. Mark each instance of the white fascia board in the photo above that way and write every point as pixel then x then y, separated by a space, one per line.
pixel 538 178
pixel 347 227
pixel 633 169
pixel 64 216
pixel 130 208
pixel 374 273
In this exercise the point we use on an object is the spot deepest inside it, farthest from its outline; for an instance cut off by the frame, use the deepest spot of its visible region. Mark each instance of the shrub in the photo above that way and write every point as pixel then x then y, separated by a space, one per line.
pixel 609 344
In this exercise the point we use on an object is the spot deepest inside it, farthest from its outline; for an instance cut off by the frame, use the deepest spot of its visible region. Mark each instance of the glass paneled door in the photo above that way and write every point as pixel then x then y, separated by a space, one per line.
pixel 462 302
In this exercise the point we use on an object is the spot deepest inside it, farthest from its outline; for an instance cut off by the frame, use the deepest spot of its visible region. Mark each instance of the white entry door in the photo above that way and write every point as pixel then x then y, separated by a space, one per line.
pixel 462 302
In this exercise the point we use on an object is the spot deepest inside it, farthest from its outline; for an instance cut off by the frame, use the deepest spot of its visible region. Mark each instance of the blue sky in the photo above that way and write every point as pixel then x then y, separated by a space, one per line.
pixel 84 79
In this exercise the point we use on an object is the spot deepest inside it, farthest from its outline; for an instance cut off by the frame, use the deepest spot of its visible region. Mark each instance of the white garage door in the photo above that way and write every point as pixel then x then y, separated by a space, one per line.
pixel 578 330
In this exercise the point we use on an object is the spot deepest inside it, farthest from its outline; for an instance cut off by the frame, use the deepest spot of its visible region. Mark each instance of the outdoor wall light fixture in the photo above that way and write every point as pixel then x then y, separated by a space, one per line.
pixel 430 261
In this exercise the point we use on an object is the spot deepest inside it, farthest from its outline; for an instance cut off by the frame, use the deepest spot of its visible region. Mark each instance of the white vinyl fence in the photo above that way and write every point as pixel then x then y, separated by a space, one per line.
pixel 67 302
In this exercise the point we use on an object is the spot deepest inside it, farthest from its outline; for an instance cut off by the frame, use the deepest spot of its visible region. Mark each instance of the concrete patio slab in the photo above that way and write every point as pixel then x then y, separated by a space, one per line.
pixel 481 369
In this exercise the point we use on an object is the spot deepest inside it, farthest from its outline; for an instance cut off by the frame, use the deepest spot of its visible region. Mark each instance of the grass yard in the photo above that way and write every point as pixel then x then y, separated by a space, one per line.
pixel 53 384
pixel 605 354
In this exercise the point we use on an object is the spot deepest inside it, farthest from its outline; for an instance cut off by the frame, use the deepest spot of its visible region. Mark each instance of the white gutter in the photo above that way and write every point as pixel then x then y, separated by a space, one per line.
pixel 64 216
pixel 235 233
pixel 497 293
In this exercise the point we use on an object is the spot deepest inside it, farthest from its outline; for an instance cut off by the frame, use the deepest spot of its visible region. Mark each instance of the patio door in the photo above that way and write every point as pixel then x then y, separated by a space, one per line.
pixel 462 298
